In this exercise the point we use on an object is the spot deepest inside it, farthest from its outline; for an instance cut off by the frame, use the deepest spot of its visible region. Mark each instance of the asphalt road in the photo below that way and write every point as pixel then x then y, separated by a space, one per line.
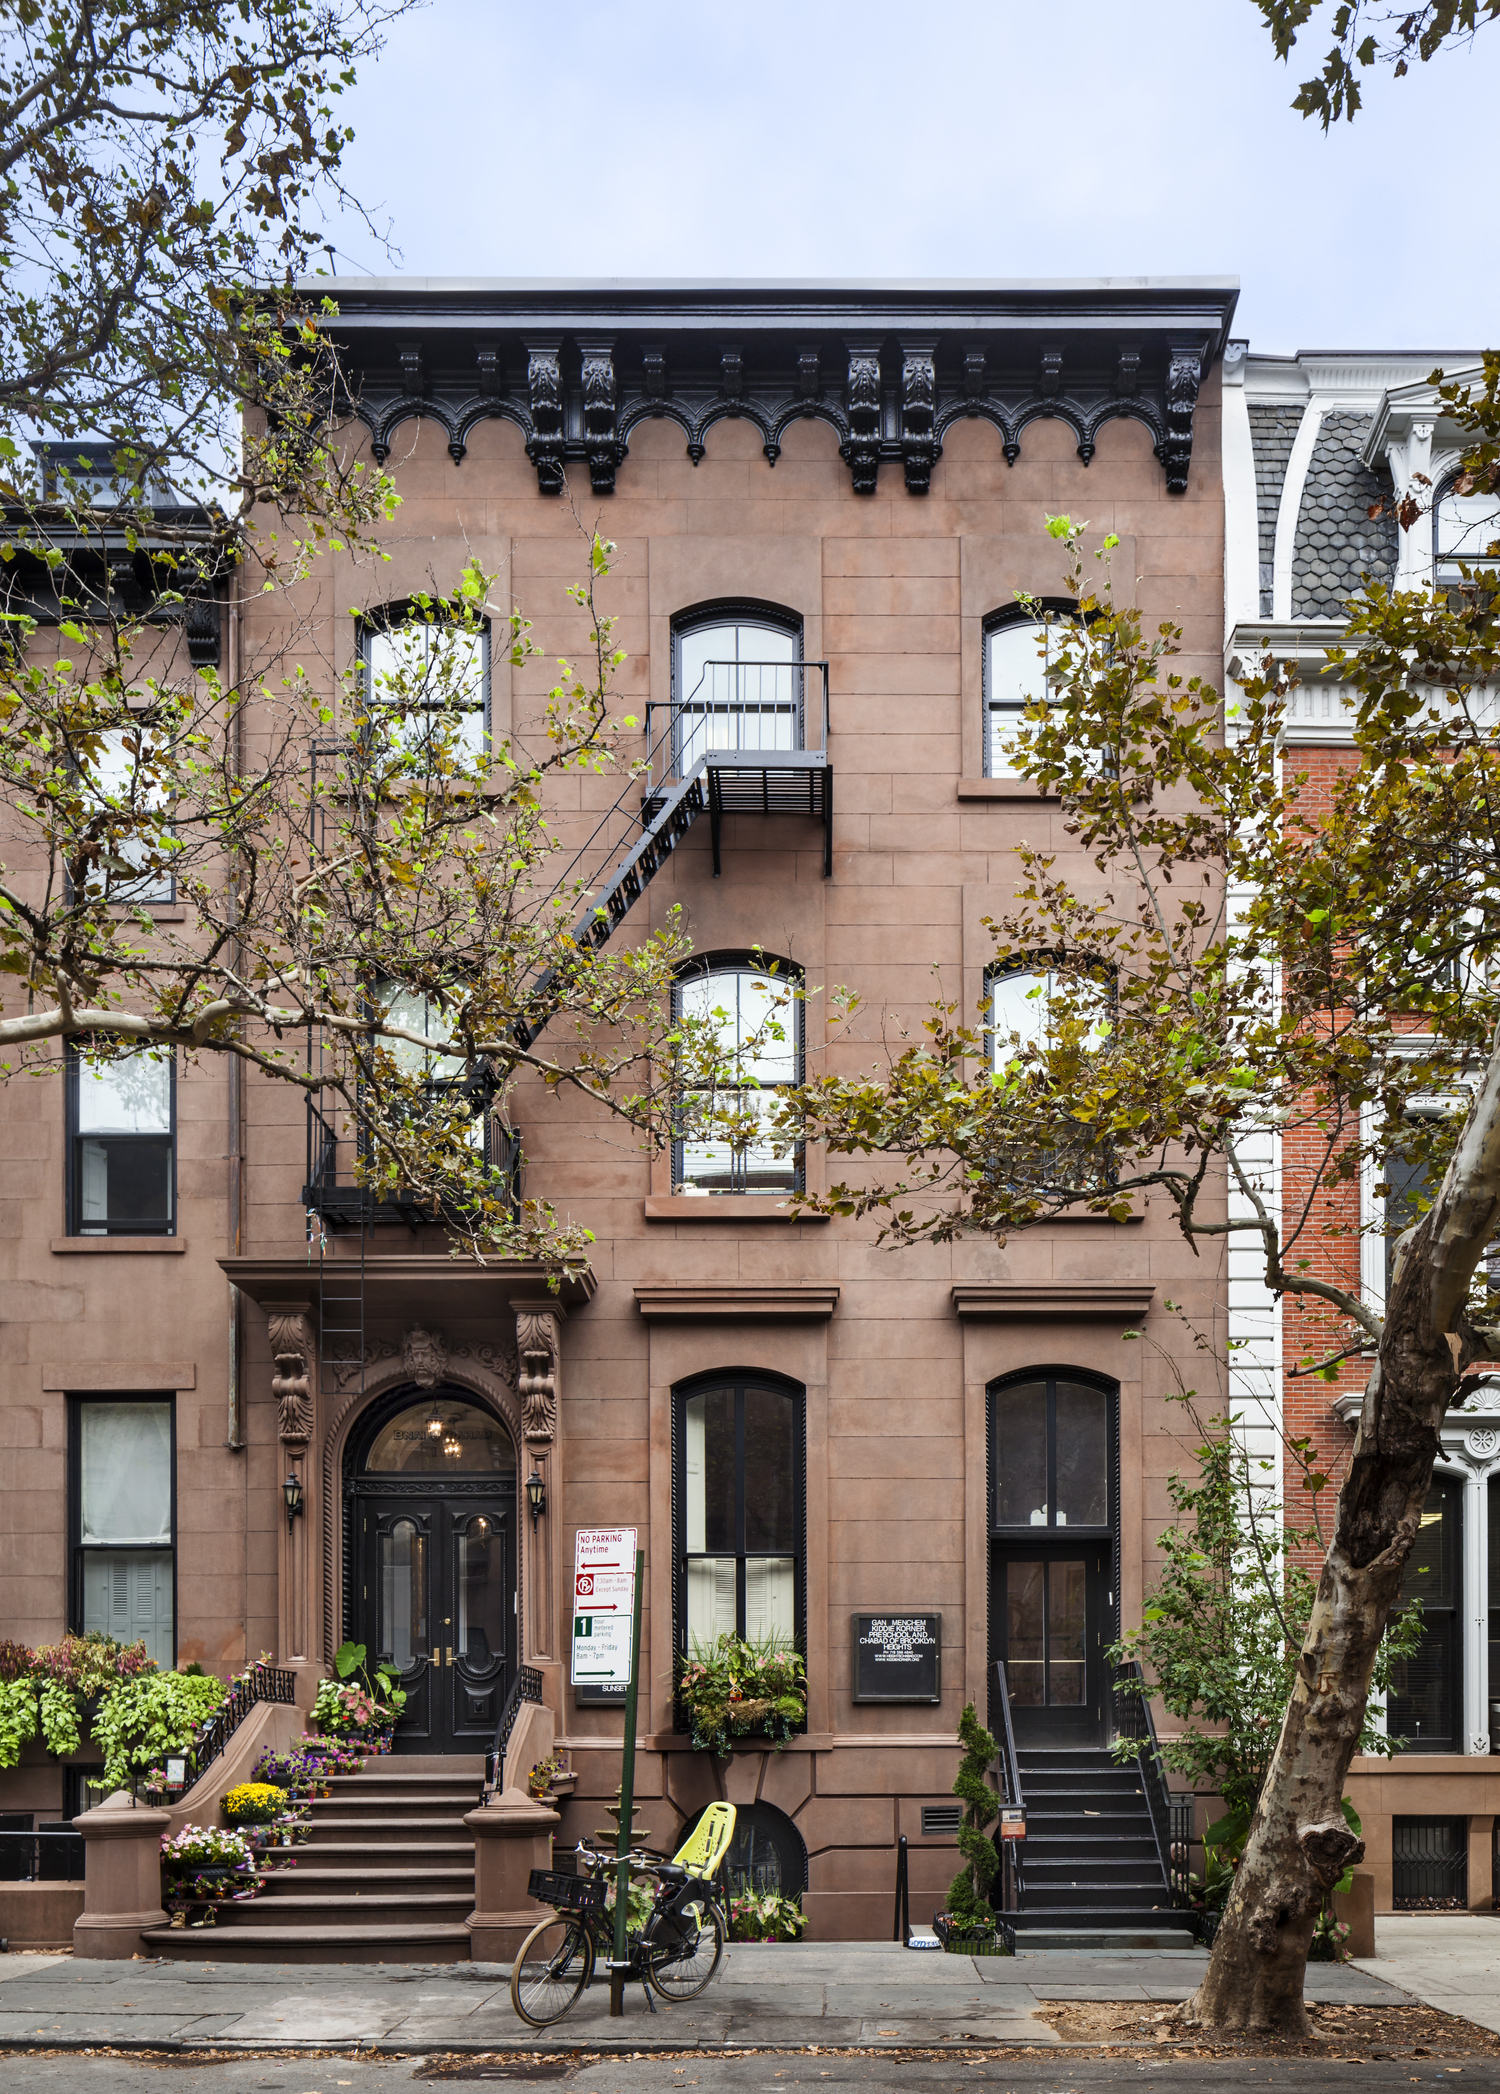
pixel 744 2075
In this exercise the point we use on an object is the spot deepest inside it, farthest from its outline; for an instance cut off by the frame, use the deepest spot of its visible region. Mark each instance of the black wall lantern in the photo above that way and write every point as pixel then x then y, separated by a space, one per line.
pixel 291 1490
pixel 536 1495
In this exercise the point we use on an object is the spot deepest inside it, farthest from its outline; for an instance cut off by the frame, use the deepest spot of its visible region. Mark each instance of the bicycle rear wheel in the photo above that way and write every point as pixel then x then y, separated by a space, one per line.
pixel 552 1966
pixel 681 1969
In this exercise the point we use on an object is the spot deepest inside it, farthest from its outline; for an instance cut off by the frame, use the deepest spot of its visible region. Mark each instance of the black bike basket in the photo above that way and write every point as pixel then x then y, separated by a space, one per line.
pixel 566 1893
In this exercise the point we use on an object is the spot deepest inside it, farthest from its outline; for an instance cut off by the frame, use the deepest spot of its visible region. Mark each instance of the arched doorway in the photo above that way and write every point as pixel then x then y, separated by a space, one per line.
pixel 430 1561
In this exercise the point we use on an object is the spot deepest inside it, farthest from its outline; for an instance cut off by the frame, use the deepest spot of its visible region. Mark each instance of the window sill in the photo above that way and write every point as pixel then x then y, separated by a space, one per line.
pixel 132 1246
pixel 801 1741
pixel 724 1207
pixel 1016 789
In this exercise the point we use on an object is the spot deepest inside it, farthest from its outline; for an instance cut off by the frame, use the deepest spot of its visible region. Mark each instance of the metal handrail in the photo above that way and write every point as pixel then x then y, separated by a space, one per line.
pixel 1012 1871
pixel 526 1686
pixel 686 749
pixel 1153 1775
pixel 261 1683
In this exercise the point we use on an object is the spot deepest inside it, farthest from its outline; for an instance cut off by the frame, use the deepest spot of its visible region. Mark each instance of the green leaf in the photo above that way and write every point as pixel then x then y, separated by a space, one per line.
pixel 348 1658
pixel 1351 1817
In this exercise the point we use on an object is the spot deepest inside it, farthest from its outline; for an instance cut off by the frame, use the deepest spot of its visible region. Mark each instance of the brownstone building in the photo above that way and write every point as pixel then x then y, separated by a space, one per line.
pixel 824 500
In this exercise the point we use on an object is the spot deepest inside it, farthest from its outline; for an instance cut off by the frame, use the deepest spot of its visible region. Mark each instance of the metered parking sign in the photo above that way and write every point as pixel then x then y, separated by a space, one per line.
pixel 603 1601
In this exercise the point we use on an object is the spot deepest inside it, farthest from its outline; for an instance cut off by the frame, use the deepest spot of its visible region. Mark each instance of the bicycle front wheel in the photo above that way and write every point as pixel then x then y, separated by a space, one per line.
pixel 680 1969
pixel 552 1966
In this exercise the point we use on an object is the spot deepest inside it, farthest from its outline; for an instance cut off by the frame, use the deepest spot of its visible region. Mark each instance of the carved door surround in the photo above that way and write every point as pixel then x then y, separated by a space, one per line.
pixel 439 1322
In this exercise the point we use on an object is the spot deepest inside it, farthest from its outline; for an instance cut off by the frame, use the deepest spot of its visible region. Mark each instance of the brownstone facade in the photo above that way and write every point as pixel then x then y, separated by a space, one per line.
pixel 897 505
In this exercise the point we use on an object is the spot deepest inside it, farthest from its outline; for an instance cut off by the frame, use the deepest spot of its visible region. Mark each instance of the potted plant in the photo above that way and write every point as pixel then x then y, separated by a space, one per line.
pixel 738 1686
pixel 363 1703
pixel 202 1866
pixel 767 1916
pixel 254 1803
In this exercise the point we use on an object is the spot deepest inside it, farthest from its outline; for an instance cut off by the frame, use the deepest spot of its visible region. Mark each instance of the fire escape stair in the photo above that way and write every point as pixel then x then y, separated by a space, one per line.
pixel 386 1875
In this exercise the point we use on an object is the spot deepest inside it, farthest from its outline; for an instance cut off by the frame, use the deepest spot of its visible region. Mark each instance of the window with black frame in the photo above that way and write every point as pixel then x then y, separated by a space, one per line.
pixel 1019 1014
pixel 423 673
pixel 120 771
pixel 122 1144
pixel 447 1079
pixel 1426 1693
pixel 740 1456
pixel 123 1489
pixel 755 1016
pixel 1020 653
pixel 737 680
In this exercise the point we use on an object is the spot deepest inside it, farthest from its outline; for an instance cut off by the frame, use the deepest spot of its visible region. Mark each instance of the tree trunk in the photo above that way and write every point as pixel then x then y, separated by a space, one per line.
pixel 1299 1842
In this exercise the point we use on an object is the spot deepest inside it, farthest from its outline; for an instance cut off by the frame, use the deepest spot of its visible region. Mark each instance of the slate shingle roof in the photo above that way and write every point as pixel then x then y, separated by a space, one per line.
pixel 1336 540
pixel 1272 430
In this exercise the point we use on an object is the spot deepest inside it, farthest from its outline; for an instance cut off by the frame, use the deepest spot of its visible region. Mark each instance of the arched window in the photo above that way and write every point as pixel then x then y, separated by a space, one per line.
pixel 420 668
pixel 757 1016
pixel 737 679
pixel 766 1853
pixel 739 1495
pixel 1020 652
pixel 1018 1008
pixel 1050 1454
pixel 448 1079
pixel 1466 528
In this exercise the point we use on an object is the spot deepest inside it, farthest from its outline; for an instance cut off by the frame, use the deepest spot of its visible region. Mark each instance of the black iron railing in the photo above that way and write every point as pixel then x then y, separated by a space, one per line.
pixel 51 1853
pixel 332 1189
pixel 526 1686
pixel 1132 1719
pixel 1430 1864
pixel 260 1683
pixel 1012 1868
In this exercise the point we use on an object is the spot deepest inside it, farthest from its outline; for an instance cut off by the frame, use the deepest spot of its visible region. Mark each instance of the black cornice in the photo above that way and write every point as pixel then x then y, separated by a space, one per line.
pixel 888 366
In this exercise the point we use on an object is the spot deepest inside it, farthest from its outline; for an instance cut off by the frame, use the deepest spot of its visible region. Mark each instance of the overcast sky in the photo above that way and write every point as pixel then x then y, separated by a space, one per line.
pixel 934 138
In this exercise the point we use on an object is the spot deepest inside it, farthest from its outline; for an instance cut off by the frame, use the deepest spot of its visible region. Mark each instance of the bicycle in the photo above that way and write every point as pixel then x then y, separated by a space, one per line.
pixel 676 1953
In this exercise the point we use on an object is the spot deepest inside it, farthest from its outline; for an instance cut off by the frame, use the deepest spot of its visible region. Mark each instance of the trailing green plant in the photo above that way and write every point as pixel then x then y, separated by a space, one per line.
pixel 766 1915
pixel 1222 1627
pixel 968 1893
pixel 61 1718
pixel 737 1684
pixel 18 1718
pixel 148 1717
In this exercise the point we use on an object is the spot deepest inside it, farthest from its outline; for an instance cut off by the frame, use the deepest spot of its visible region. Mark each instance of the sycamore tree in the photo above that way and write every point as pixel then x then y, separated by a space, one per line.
pixel 373 903
pixel 1241 961
pixel 1367 34
pixel 166 167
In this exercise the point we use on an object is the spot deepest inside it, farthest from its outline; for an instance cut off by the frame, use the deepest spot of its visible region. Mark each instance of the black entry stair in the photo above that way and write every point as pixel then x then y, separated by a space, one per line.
pixel 1092 1863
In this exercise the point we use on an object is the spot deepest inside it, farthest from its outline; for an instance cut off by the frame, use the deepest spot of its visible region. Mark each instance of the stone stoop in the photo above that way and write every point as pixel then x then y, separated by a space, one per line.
pixel 387 1876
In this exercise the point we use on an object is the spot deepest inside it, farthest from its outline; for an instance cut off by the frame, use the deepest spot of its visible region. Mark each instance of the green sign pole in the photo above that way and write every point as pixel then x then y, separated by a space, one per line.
pixel 627 1803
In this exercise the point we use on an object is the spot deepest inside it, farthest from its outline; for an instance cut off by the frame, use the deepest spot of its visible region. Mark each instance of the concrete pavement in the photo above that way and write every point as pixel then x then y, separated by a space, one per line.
pixel 1446 1960
pixel 830 1994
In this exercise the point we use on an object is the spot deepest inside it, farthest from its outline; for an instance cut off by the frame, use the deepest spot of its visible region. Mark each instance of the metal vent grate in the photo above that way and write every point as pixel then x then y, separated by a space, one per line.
pixel 941 1820
pixel 1430 1864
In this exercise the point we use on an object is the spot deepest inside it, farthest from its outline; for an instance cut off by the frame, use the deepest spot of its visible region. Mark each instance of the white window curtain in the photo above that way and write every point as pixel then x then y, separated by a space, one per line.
pixel 126 1473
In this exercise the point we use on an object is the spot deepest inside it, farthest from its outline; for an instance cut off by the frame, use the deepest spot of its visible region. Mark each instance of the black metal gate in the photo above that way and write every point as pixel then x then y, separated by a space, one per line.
pixel 1430 1864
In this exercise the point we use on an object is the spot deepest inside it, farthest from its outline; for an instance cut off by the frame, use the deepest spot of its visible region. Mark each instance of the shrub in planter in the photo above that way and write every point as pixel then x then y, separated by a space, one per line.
pixel 254 1803
pixel 765 1916
pixel 737 1685
pixel 56 1689
pixel 969 1907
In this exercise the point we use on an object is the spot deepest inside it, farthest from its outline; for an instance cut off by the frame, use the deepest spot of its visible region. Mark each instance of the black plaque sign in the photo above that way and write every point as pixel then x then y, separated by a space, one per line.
pixel 898 1657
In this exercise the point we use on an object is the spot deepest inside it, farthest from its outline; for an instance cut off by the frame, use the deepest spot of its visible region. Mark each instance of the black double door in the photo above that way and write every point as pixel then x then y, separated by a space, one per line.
pixel 1049 1604
pixel 435 1595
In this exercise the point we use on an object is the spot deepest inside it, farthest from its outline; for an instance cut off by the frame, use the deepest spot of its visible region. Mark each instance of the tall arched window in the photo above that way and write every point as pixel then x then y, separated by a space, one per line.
pixel 757 1017
pixel 421 669
pixel 739 1498
pixel 1465 528
pixel 737 679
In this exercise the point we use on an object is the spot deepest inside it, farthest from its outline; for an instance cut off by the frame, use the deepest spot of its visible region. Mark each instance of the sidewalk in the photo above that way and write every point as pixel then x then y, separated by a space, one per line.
pixel 1446 1960
pixel 835 1995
